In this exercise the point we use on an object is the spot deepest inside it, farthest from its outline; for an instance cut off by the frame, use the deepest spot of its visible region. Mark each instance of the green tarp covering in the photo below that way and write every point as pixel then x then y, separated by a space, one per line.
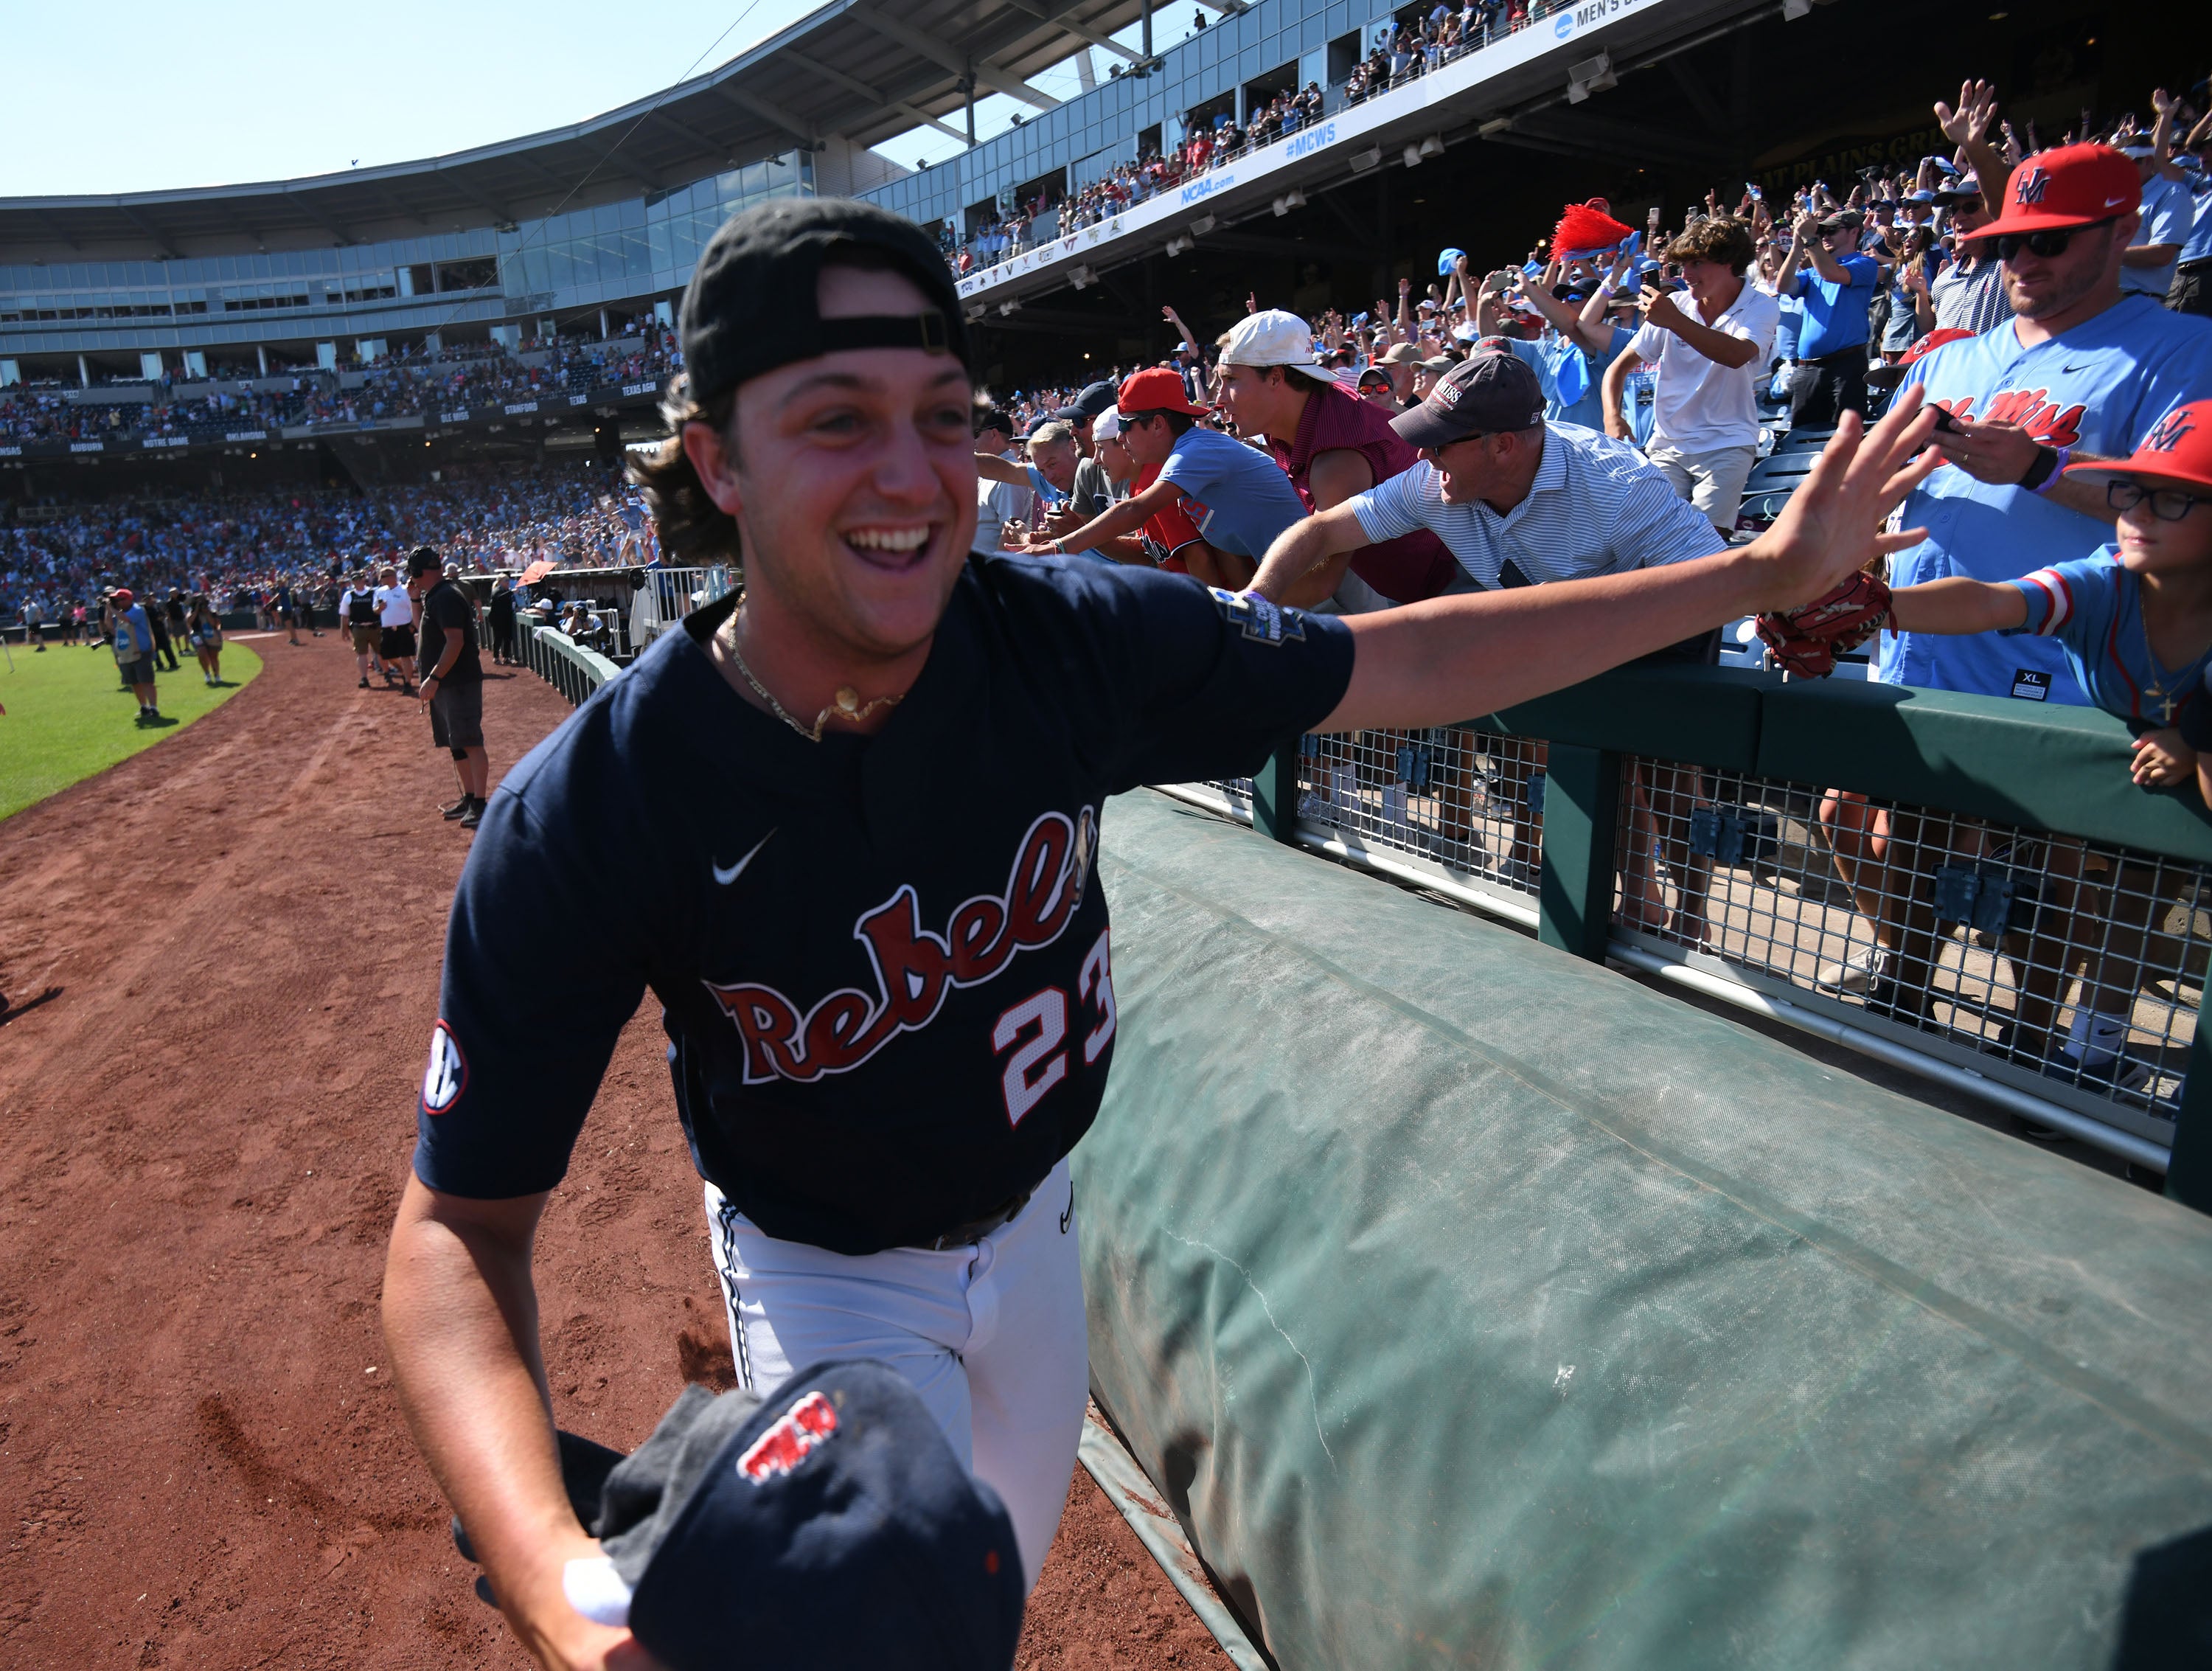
pixel 1473 1305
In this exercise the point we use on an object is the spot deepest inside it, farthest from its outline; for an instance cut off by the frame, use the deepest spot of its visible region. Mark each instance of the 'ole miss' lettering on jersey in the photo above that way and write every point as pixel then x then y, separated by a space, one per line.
pixel 2099 388
pixel 883 963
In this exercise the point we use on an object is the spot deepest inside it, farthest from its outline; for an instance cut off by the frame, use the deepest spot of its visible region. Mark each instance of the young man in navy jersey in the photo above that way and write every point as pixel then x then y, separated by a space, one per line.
pixel 870 787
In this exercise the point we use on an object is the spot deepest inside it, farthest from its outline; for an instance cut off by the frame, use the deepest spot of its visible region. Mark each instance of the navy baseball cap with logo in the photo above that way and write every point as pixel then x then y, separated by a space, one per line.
pixel 1489 391
pixel 827 1528
pixel 765 264
pixel 833 1528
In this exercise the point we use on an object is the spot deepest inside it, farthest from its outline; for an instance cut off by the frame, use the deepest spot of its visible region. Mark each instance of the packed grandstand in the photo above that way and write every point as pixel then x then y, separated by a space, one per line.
pixel 247 404
pixel 1342 307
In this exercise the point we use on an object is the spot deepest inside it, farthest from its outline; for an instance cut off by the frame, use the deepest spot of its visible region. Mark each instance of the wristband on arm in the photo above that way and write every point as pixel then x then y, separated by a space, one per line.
pixel 2043 470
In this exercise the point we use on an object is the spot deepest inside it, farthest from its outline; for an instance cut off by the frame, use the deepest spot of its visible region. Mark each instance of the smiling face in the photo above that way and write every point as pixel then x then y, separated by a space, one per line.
pixel 1056 460
pixel 2045 286
pixel 852 479
pixel 1713 285
pixel 2151 545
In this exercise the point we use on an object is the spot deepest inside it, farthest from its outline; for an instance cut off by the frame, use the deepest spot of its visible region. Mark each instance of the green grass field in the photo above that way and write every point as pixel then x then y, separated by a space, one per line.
pixel 66 719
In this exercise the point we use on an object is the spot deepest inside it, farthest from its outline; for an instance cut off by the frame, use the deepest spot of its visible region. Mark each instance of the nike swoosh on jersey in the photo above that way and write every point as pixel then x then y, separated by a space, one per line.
pixel 729 873
pixel 2074 371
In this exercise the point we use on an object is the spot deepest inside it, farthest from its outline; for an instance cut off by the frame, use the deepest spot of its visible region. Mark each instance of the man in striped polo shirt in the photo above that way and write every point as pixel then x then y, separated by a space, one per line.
pixel 1519 502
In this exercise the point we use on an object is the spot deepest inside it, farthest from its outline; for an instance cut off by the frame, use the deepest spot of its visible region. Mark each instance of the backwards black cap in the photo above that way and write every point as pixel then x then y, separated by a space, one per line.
pixel 750 307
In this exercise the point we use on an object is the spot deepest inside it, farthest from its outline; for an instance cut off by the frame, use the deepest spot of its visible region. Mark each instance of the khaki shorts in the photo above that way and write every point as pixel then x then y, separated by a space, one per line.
pixel 364 640
pixel 1713 481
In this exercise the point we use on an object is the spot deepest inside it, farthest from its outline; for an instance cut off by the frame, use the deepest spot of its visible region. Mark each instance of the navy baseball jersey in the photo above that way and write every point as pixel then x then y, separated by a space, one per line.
pixel 2099 388
pixel 884 962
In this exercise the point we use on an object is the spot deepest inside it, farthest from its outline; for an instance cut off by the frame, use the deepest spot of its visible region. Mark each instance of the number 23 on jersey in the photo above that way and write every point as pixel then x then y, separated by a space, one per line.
pixel 1035 1031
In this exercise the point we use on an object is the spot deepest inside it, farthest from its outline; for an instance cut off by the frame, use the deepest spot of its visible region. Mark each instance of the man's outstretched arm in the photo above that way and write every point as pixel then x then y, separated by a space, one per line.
pixel 460 1316
pixel 1452 658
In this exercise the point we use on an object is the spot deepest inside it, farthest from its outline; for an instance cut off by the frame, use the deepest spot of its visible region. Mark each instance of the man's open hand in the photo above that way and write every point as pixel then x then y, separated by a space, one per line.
pixel 1969 125
pixel 1831 527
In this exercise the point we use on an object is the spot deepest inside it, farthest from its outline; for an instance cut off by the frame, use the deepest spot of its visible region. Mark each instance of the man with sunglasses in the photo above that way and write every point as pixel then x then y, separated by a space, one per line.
pixel 2081 373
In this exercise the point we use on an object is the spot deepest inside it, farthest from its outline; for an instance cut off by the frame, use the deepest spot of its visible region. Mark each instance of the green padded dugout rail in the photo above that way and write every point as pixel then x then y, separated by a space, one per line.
pixel 1474 1306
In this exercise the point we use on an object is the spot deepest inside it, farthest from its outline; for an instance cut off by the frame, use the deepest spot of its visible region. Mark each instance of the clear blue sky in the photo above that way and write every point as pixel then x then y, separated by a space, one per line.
pixel 132 96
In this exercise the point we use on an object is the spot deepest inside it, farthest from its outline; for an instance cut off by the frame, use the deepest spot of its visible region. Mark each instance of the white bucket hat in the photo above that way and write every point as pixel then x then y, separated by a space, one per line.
pixel 1273 337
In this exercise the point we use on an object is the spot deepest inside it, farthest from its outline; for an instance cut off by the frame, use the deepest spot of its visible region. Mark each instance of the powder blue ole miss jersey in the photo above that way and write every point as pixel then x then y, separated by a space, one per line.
pixel 2093 607
pixel 884 962
pixel 2099 389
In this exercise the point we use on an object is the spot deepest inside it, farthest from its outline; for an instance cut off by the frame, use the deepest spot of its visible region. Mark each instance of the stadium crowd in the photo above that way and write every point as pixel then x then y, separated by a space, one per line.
pixel 420 383
pixel 1604 404
pixel 240 548
pixel 1451 30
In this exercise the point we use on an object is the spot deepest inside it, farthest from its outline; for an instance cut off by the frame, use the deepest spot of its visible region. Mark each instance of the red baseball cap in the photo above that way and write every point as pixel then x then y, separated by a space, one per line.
pixel 1159 389
pixel 2075 185
pixel 122 595
pixel 1934 340
pixel 2179 444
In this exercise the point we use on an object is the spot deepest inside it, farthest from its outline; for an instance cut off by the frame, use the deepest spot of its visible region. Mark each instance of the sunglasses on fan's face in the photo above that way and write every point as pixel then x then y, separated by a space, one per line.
pixel 2051 242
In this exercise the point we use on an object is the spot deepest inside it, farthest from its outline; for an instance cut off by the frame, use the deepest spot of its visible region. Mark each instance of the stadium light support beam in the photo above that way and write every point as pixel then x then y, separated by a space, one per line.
pixel 875 96
pixel 770 111
pixel 1080 31
pixel 945 54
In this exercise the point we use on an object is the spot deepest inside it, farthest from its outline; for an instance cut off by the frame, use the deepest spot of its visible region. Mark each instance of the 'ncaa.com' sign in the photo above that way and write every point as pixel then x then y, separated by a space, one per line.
pixel 1392 108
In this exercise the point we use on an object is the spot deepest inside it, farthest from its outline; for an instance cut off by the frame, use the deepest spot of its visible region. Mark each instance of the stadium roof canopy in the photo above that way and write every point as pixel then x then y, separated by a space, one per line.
pixel 862 69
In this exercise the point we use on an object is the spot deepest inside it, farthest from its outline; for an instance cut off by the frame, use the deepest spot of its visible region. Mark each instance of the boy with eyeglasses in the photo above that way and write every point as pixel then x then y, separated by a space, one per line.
pixel 2133 622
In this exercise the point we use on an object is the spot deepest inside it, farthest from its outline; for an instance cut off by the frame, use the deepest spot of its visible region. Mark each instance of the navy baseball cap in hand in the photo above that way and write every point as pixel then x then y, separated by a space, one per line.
pixel 829 1526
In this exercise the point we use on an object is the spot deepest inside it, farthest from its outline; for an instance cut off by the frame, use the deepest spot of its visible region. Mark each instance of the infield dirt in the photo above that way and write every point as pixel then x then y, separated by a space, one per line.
pixel 222 955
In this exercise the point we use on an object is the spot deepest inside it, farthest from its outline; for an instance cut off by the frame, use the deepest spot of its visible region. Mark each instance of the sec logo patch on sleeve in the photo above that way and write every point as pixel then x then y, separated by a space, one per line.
pixel 448 1075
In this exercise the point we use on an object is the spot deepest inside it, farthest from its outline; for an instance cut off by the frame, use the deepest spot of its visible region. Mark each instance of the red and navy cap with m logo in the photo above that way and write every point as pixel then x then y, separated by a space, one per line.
pixel 2073 186
pixel 2178 449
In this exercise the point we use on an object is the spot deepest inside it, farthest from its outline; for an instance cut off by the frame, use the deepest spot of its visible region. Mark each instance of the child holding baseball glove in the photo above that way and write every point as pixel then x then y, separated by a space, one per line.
pixel 2136 620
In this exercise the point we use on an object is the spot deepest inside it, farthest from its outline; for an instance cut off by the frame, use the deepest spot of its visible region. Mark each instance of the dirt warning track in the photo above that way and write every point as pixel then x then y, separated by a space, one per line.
pixel 223 959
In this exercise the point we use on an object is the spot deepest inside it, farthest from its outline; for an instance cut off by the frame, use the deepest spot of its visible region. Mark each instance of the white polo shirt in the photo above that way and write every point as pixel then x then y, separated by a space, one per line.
pixel 1701 406
pixel 394 608
pixel 1596 507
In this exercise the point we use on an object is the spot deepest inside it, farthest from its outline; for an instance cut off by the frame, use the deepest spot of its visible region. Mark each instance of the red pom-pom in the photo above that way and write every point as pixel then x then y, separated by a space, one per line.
pixel 1583 229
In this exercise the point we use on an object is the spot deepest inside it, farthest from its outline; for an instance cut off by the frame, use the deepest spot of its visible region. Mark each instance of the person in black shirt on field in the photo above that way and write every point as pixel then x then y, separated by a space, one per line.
pixel 450 675
pixel 500 611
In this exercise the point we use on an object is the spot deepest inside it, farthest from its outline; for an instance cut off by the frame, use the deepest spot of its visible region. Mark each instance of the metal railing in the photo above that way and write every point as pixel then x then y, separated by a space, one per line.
pixel 558 659
pixel 670 594
pixel 1963 887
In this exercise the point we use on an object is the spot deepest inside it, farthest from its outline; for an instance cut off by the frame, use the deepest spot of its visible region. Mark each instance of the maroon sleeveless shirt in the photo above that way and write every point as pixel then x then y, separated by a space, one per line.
pixel 1407 569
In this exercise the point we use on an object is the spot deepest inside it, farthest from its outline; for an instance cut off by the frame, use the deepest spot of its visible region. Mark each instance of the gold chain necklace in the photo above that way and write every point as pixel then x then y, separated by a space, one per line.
pixel 845 705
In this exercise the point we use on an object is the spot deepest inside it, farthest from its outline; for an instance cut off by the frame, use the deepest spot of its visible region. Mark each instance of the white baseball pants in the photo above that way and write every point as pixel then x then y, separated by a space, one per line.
pixel 992 1335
